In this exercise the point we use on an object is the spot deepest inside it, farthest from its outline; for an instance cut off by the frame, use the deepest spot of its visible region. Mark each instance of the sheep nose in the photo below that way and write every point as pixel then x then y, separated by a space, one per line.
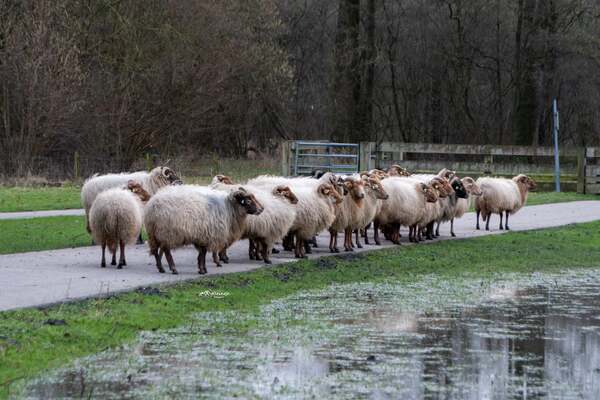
pixel 387 196
pixel 361 196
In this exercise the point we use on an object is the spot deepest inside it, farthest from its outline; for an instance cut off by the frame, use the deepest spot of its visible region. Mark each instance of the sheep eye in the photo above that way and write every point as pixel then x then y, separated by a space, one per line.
pixel 243 202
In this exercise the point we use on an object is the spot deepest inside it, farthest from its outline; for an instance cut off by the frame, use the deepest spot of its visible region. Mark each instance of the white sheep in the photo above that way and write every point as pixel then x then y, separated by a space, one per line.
pixel 151 182
pixel 263 230
pixel 501 195
pixel 406 205
pixel 315 211
pixel 116 219
pixel 209 219
pixel 375 195
pixel 451 205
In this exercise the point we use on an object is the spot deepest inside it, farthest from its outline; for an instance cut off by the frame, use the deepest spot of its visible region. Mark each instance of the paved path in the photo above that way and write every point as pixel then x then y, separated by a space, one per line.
pixel 45 277
pixel 37 214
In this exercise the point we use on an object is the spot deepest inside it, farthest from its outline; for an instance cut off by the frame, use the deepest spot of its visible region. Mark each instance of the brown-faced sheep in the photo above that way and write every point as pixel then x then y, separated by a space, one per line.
pixel 116 219
pixel 501 195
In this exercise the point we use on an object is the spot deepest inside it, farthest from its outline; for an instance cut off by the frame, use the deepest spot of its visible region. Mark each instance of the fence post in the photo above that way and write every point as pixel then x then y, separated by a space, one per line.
pixel 364 151
pixel 76 165
pixel 286 146
pixel 148 162
pixel 581 164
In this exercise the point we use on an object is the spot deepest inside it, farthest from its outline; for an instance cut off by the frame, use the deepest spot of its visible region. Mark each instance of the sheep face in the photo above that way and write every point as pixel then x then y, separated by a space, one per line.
pixel 438 186
pixel 526 181
pixel 446 173
pixel 285 192
pixel 374 184
pixel 166 175
pixel 459 188
pixel 247 202
pixel 430 194
pixel 224 179
pixel 356 188
pixel 396 170
pixel 328 191
pixel 471 187
pixel 138 190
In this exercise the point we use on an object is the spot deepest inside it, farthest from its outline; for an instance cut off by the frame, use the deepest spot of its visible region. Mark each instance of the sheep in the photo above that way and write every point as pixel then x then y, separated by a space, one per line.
pixel 433 210
pixel 501 195
pixel 315 211
pixel 271 225
pixel 116 219
pixel 396 170
pixel 375 194
pixel 405 205
pixel 209 219
pixel 346 219
pixel 270 181
pixel 463 204
pixel 449 206
pixel 151 182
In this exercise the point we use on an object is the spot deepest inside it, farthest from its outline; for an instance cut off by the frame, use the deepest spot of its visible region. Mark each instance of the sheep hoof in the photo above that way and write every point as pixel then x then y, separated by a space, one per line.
pixel 359 246
pixel 113 262
pixel 274 251
pixel 174 272
pixel 202 271
pixel 103 265
pixel 267 261
pixel 219 265
pixel 308 250
pixel 120 266
pixel 507 228
pixel 452 234
pixel 161 270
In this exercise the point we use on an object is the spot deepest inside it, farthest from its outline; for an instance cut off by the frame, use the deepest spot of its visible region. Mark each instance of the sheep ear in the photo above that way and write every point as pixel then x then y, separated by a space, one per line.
pixel 241 189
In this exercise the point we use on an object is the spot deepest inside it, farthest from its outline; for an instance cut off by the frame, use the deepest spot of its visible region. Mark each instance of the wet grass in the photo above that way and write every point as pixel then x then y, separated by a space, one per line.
pixel 13 199
pixel 30 344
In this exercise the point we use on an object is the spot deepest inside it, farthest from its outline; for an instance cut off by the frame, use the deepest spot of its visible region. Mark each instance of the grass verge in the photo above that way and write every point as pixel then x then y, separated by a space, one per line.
pixel 13 199
pixel 28 344
pixel 33 234
pixel 536 198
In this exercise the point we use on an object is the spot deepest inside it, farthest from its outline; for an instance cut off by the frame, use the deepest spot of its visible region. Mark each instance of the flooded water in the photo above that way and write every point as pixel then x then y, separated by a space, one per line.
pixel 524 337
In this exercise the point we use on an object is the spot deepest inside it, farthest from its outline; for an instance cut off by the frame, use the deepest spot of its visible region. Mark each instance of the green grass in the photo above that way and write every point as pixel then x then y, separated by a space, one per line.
pixel 28 345
pixel 36 199
pixel 20 235
pixel 536 198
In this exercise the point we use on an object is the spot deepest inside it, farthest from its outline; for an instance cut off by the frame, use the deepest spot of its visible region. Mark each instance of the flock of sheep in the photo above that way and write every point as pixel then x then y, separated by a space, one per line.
pixel 270 209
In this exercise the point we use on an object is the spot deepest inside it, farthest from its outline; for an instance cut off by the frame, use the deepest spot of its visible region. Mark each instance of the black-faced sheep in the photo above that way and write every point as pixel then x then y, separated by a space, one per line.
pixel 209 219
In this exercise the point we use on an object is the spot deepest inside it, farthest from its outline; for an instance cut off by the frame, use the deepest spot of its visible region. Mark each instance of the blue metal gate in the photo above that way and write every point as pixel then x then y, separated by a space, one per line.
pixel 325 156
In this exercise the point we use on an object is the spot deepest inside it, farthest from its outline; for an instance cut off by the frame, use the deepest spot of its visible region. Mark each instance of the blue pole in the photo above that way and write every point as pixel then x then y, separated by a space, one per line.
pixel 555 134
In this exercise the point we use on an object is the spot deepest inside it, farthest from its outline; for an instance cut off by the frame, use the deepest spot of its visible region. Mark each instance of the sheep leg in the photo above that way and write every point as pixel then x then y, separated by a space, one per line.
pixel 299 250
pixel 202 259
pixel 223 256
pixel 478 212
pixel 122 261
pixel 251 249
pixel 158 256
pixel 376 233
pixel 215 257
pixel 288 242
pixel 103 262
pixel 265 252
pixel 348 240
pixel 487 222
pixel 506 222
pixel 437 229
pixel 365 233
pixel 114 256
pixel 333 242
pixel 274 251
pixel 501 227
pixel 314 242
pixel 307 248
pixel 170 261
pixel 357 234
pixel 430 231
pixel 452 228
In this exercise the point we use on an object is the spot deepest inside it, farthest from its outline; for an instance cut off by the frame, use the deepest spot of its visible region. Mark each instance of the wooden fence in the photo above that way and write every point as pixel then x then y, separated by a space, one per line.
pixel 580 166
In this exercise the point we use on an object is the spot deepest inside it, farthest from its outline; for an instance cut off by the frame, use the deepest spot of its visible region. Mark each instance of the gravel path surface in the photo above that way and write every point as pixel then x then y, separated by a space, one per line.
pixel 45 277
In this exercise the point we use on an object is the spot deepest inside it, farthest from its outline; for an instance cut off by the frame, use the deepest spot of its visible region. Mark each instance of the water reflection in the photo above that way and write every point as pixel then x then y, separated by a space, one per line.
pixel 541 340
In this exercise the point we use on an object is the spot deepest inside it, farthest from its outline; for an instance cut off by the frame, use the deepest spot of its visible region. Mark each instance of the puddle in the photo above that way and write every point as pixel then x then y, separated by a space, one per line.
pixel 525 337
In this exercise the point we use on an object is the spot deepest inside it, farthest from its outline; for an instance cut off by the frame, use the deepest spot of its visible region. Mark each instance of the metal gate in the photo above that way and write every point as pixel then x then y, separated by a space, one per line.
pixel 307 157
